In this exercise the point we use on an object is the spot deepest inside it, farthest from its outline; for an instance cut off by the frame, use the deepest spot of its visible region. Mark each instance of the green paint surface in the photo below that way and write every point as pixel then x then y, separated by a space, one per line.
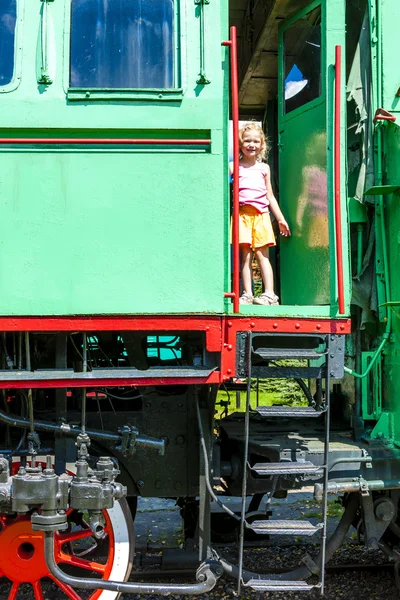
pixel 110 233
pixel 391 379
pixel 390 51
pixel 124 230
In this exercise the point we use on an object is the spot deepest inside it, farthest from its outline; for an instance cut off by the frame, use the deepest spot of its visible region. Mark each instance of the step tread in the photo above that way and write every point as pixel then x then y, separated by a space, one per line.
pixel 268 585
pixel 286 468
pixel 284 527
pixel 282 353
pixel 288 411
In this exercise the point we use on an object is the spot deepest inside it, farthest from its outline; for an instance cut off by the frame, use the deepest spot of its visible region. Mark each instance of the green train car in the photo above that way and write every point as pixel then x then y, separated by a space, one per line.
pixel 121 328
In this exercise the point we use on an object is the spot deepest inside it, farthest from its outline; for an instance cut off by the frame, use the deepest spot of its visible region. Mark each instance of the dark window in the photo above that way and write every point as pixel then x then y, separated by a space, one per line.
pixel 8 16
pixel 302 51
pixel 122 44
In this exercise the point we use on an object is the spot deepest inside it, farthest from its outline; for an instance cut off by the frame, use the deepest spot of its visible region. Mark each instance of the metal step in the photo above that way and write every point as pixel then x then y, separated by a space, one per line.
pixel 289 353
pixel 286 468
pixel 268 585
pixel 288 527
pixel 288 411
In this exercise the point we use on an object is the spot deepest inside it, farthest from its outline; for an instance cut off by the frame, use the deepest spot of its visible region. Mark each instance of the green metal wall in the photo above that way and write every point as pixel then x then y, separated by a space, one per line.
pixel 390 17
pixel 391 380
pixel 114 231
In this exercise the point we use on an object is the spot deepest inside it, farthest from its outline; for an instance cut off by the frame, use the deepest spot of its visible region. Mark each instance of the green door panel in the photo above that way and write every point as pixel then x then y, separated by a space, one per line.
pixel 305 259
pixel 306 93
pixel 120 232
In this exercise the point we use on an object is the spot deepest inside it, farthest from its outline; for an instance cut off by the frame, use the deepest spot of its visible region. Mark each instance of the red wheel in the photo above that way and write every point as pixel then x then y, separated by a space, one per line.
pixel 76 551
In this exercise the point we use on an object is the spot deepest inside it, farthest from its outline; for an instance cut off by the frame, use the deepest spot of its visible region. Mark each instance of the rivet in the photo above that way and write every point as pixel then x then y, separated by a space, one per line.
pixel 318 326
pixel 140 483
pixel 342 327
pixel 229 371
pixel 178 485
pixel 252 324
pixel 207 328
pixel 297 325
pixel 229 323
pixel 275 325
pixel 87 94
pixel 159 484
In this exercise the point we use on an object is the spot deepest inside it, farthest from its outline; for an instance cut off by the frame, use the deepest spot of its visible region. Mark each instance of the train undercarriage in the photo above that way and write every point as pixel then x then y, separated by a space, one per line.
pixel 74 459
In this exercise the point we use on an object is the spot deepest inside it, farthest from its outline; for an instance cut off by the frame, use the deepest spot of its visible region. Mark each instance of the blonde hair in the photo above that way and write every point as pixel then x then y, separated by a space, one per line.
pixel 251 126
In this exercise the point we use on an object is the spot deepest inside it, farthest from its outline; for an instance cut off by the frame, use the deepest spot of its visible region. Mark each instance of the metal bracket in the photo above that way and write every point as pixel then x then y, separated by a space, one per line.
pixel 364 489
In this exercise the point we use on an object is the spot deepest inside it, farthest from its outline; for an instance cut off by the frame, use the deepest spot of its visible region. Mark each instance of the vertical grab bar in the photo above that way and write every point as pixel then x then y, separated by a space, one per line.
pixel 44 53
pixel 232 43
pixel 202 79
pixel 337 179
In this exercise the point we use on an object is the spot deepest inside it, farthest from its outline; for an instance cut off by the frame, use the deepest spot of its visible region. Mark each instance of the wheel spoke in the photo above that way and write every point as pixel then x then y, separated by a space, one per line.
pixel 13 592
pixel 82 563
pixel 37 590
pixel 68 591
pixel 73 536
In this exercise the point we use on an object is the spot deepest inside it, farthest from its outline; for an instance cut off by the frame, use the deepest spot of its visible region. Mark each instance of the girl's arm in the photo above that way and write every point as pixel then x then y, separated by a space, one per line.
pixel 283 226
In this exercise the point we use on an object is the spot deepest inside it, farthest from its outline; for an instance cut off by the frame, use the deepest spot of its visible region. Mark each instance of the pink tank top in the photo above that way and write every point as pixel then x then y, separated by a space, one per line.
pixel 252 187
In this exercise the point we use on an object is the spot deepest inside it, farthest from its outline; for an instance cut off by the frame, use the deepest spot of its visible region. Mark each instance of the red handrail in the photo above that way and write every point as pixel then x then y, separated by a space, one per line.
pixel 108 141
pixel 337 178
pixel 232 43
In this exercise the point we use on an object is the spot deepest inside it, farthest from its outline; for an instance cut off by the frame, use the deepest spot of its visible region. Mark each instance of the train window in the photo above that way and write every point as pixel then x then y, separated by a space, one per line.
pixel 302 61
pixel 123 44
pixel 8 17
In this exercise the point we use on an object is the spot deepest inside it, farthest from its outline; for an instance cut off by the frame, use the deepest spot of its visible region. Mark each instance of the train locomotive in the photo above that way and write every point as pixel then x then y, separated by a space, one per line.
pixel 119 306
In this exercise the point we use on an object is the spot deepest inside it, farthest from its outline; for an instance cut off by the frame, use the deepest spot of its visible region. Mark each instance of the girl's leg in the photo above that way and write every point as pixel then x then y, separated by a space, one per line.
pixel 247 274
pixel 265 267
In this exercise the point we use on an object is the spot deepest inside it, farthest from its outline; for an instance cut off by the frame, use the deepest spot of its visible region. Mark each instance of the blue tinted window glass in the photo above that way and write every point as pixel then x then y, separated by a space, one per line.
pixel 122 44
pixel 302 42
pixel 8 16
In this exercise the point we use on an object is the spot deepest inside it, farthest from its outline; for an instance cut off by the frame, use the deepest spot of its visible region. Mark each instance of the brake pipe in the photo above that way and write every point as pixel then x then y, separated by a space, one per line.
pixel 206 578
pixel 207 468
pixel 373 361
pixel 65 429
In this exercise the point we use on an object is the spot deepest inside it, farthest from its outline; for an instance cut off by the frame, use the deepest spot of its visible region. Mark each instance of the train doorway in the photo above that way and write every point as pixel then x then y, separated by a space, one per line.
pixel 302 125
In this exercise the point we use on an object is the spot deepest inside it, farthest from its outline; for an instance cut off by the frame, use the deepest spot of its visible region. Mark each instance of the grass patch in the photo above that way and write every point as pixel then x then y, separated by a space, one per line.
pixel 270 391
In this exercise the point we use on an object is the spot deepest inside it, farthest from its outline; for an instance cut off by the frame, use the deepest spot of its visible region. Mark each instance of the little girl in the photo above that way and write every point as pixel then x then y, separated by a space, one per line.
pixel 256 199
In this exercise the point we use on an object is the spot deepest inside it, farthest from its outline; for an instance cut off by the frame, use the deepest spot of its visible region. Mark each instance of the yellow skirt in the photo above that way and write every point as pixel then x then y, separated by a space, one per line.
pixel 255 228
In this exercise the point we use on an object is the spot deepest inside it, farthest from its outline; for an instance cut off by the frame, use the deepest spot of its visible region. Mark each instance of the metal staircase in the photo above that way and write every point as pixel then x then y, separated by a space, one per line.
pixel 260 362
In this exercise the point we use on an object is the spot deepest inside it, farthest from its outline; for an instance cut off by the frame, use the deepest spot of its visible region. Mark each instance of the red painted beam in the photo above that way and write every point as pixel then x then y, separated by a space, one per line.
pixel 337 177
pixel 108 141
pixel 214 377
pixel 232 44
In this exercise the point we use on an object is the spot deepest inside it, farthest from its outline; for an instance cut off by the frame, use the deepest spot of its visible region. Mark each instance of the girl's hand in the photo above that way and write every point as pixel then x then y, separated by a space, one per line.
pixel 284 228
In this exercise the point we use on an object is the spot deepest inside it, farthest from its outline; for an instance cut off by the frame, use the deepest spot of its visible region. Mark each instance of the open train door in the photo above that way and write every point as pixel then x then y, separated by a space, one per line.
pixel 308 75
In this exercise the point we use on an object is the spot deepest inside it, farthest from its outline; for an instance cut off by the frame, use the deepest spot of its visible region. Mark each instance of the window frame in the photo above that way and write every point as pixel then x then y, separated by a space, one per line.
pixel 281 72
pixel 110 94
pixel 18 37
